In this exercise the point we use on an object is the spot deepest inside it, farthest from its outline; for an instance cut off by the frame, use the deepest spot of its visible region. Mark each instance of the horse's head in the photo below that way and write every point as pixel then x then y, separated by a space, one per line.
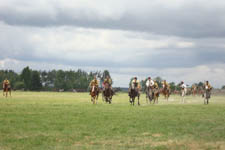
pixel 106 85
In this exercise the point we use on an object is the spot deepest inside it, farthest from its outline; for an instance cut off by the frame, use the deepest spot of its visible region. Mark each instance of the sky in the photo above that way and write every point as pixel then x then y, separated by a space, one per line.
pixel 178 40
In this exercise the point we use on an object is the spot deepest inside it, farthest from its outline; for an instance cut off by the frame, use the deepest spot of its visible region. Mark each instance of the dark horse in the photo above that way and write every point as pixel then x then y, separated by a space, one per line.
pixel 133 93
pixel 94 94
pixel 207 96
pixel 6 89
pixel 107 94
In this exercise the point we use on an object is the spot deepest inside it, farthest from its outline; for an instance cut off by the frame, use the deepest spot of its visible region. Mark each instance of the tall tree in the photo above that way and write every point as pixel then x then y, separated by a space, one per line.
pixel 26 77
pixel 35 81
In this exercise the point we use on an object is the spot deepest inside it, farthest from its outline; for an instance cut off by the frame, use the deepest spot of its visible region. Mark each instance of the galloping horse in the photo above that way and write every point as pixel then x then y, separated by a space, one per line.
pixel 107 94
pixel 207 96
pixel 94 94
pixel 194 90
pixel 149 94
pixel 6 89
pixel 133 93
pixel 156 95
pixel 166 92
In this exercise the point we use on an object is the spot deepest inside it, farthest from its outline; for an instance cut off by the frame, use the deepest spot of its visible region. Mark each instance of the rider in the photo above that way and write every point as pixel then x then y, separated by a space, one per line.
pixel 165 85
pixel 109 81
pixel 156 86
pixel 94 82
pixel 183 90
pixel 135 84
pixel 6 84
pixel 207 86
pixel 150 83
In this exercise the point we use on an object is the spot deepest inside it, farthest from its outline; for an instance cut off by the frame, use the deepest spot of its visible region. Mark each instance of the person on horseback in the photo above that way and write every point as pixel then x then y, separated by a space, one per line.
pixel 94 82
pixel 207 87
pixel 156 86
pixel 107 80
pixel 5 85
pixel 165 85
pixel 135 83
pixel 150 87
pixel 150 83
pixel 183 90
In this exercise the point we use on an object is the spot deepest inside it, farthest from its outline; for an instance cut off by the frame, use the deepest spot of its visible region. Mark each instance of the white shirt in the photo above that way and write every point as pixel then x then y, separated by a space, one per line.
pixel 149 83
pixel 183 86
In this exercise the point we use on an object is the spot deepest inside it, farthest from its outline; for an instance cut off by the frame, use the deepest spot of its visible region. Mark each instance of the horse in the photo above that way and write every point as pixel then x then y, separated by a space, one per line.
pixel 207 96
pixel 107 94
pixel 149 94
pixel 6 89
pixel 156 95
pixel 194 91
pixel 166 92
pixel 94 94
pixel 133 93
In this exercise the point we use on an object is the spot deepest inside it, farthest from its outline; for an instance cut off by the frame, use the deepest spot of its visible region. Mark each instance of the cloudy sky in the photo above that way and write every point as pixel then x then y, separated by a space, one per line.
pixel 175 39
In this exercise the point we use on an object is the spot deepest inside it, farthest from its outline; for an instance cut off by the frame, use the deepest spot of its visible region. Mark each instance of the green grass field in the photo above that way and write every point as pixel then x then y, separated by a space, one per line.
pixel 55 121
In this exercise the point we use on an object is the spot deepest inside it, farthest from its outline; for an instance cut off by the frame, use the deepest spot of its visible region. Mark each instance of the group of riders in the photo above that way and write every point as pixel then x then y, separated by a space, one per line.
pixel 152 89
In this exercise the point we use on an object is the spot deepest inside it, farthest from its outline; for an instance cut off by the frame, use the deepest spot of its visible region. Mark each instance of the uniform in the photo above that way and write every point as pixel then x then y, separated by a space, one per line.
pixel 149 83
pixel 135 84
pixel 165 85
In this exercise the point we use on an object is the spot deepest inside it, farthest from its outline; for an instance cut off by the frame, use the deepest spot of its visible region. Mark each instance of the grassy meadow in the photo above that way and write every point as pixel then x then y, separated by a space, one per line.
pixel 69 121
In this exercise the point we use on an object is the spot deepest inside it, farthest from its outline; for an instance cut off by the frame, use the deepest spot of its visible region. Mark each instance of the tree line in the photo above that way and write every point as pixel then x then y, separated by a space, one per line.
pixel 54 80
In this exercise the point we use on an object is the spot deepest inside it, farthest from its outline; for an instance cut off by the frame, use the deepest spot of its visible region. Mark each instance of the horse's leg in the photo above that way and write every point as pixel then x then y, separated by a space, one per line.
pixel 138 100
pixel 6 93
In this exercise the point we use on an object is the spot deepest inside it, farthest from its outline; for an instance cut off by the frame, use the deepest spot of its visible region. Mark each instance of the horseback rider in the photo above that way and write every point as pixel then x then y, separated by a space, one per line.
pixel 6 84
pixel 107 80
pixel 165 85
pixel 156 86
pixel 94 82
pixel 135 83
pixel 183 90
pixel 207 86
pixel 150 83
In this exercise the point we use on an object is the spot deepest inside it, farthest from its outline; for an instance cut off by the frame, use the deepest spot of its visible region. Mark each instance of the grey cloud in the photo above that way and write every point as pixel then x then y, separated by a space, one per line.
pixel 195 20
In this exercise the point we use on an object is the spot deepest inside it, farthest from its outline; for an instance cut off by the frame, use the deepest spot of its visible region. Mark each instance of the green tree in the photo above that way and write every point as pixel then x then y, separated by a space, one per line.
pixel 26 77
pixel 19 85
pixel 35 81
pixel 172 86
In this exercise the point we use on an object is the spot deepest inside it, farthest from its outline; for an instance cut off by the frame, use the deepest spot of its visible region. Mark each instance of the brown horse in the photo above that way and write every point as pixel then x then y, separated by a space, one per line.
pixel 156 95
pixel 6 89
pixel 166 92
pixel 194 91
pixel 107 94
pixel 94 94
